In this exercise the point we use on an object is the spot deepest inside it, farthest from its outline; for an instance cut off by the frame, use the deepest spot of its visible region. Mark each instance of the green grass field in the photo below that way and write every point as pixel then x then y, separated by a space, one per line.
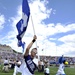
pixel 53 70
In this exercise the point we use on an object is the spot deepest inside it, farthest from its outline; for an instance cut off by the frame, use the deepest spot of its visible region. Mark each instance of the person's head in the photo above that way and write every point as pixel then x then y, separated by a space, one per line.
pixel 33 52
pixel 5 58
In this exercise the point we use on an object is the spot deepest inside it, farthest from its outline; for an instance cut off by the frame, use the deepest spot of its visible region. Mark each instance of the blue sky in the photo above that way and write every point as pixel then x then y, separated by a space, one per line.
pixel 64 11
pixel 53 20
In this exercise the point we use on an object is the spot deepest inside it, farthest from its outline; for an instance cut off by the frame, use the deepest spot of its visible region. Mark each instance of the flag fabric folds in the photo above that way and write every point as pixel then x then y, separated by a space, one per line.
pixel 23 23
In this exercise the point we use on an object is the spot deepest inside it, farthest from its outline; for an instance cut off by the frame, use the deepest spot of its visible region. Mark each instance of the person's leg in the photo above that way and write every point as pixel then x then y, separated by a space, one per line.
pixel 63 73
pixel 44 73
pixel 7 68
pixel 48 74
pixel 15 71
pixel 3 68
pixel 58 73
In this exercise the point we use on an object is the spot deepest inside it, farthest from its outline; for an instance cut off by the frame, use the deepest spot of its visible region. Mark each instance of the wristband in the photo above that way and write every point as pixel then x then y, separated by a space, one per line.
pixel 33 40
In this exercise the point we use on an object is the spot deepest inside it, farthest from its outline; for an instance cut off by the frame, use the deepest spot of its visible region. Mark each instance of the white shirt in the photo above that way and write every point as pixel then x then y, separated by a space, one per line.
pixel 6 62
pixel 47 70
pixel 35 60
pixel 23 69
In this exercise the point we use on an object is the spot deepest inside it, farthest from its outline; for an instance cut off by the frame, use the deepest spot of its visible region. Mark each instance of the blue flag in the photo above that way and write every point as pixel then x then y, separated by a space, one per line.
pixel 23 23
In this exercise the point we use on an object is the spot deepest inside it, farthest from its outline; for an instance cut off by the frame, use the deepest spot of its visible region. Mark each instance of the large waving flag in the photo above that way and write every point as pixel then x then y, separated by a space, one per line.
pixel 23 23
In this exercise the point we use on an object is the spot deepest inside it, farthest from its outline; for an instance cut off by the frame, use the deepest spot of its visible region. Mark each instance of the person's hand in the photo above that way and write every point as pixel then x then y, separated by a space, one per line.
pixel 35 37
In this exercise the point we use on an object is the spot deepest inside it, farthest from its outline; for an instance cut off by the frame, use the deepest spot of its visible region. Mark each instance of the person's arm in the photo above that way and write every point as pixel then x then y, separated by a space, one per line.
pixel 30 45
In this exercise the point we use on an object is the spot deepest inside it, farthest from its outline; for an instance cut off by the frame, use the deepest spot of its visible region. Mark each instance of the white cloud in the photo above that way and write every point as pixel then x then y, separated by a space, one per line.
pixel 67 46
pixel 43 14
pixel 54 11
pixel 61 28
pixel 69 40
pixel 39 12
pixel 2 21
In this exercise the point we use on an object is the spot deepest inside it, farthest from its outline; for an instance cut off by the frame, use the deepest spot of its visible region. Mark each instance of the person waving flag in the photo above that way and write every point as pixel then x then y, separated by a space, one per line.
pixel 23 23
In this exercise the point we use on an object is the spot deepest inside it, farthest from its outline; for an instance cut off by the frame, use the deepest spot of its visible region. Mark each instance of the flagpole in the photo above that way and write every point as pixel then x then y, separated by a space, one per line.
pixel 34 33
pixel 32 25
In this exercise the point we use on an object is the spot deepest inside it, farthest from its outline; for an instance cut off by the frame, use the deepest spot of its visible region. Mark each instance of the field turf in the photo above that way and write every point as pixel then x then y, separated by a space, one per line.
pixel 53 70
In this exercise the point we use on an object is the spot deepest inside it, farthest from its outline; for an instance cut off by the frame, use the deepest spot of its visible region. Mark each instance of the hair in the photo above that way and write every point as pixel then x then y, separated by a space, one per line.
pixel 6 58
pixel 34 48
